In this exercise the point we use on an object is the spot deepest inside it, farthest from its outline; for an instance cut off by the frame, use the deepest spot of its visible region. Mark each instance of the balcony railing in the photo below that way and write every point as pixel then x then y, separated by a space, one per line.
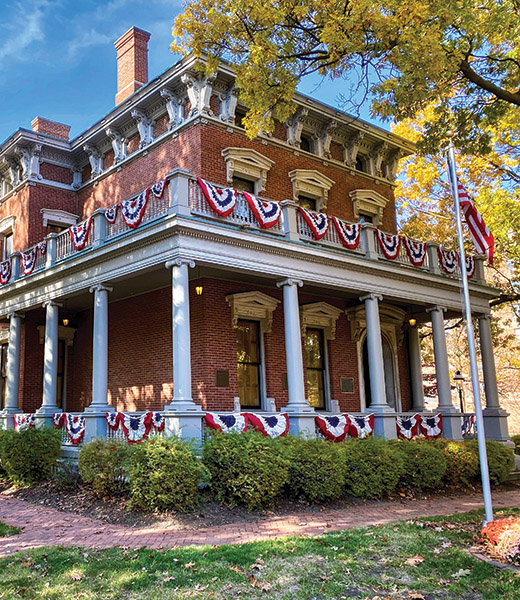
pixel 402 257
pixel 64 245
pixel 331 238
pixel 155 209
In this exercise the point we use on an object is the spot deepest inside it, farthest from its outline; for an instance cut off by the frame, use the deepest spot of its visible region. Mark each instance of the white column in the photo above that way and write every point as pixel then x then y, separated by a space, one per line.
pixel 50 360
pixel 293 346
pixel 100 348
pixel 375 354
pixel 442 369
pixel 414 352
pixel 13 368
pixel 495 417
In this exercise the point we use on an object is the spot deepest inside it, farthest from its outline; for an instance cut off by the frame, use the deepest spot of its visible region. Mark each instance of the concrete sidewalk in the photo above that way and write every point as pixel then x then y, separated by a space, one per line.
pixel 43 526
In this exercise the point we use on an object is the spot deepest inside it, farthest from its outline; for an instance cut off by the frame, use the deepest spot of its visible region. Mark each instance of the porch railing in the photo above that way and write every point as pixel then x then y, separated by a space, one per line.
pixel 155 208
pixel 402 256
pixel 64 245
pixel 331 238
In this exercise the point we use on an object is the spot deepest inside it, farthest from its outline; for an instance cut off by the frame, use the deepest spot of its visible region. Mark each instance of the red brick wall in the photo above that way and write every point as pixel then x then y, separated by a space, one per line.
pixel 31 380
pixel 56 173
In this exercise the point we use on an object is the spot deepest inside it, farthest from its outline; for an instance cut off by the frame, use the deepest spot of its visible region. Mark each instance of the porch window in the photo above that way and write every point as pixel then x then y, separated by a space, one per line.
pixel 3 374
pixel 249 363
pixel 315 367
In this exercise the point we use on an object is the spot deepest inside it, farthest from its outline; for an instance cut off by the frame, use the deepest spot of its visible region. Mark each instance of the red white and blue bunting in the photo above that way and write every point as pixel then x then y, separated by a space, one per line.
pixel 267 212
pixel 361 427
pixel 133 210
pixel 469 425
pixel 29 260
pixel 348 233
pixel 135 428
pixel 448 260
pixel 158 421
pixel 112 420
pixel 431 425
pixel 59 420
pixel 221 201
pixel 470 266
pixel 23 421
pixel 75 427
pixel 272 425
pixel 390 244
pixel 334 427
pixel 111 213
pixel 157 189
pixel 5 271
pixel 408 426
pixel 416 251
pixel 79 234
pixel 42 247
pixel 227 423
pixel 317 222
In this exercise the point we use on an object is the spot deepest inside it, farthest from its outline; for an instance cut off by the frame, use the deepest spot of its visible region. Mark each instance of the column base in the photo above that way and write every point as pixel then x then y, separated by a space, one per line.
pixel 186 425
pixel 43 416
pixel 182 405
pixel 7 417
pixel 384 424
pixel 495 424
pixel 95 423
pixel 451 424
pixel 302 423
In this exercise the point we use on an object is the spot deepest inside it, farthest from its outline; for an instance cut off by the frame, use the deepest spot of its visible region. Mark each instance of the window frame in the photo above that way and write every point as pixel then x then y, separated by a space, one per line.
pixel 260 365
pixel 324 369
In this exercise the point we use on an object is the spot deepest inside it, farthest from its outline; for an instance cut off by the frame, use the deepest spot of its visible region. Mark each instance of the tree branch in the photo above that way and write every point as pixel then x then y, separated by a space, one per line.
pixel 474 77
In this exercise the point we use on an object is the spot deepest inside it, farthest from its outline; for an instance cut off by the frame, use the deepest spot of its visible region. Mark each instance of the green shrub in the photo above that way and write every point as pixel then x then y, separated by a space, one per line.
pixel 373 467
pixel 424 464
pixel 516 440
pixel 501 459
pixel 245 468
pixel 164 475
pixel 29 456
pixel 103 464
pixel 461 462
pixel 316 469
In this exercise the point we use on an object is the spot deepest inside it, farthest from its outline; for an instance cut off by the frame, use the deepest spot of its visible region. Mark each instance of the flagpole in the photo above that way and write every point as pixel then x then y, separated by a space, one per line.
pixel 481 437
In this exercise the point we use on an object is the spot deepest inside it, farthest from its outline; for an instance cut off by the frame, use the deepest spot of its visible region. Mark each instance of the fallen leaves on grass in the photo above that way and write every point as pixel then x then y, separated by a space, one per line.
pixel 261 585
pixel 413 561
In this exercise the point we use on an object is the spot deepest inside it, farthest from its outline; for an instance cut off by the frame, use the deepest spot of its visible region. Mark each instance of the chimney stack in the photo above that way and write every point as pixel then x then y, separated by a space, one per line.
pixel 57 130
pixel 132 62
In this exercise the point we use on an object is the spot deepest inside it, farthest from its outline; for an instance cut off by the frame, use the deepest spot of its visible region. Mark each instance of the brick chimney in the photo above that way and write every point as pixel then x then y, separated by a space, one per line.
pixel 132 62
pixel 57 130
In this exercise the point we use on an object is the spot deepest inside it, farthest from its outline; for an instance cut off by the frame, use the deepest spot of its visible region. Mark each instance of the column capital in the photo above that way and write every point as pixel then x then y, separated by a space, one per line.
pixel 15 314
pixel 371 296
pixel 178 262
pixel 52 303
pixel 99 287
pixel 485 317
pixel 289 281
pixel 437 307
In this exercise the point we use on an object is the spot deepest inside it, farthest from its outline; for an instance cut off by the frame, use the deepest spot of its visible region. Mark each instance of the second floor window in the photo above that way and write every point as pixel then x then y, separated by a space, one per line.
pixel 306 202
pixel 244 185
pixel 7 246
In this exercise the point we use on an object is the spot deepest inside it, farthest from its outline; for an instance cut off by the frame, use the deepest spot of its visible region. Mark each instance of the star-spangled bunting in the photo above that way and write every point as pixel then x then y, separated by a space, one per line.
pixel 431 426
pixel 158 421
pixel 23 421
pixel 58 419
pixel 133 210
pixel 157 189
pixel 221 201
pixel 42 247
pixel 415 250
pixel 113 420
pixel 470 266
pixel 468 426
pixel 5 271
pixel 348 233
pixel 226 422
pixel 75 427
pixel 79 234
pixel 334 427
pixel 136 428
pixel 271 425
pixel 390 244
pixel 267 212
pixel 317 222
pixel 448 260
pixel 361 427
pixel 111 213
pixel 408 426
pixel 29 260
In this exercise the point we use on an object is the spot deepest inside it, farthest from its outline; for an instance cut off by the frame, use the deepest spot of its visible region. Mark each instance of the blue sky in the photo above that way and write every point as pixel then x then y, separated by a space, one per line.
pixel 57 58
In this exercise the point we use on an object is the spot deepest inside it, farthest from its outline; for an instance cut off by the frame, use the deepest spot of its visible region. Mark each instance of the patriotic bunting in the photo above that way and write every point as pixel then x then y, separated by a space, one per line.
pixel 136 428
pixel 469 425
pixel 272 425
pixel 158 420
pixel 29 260
pixel 361 427
pixel 5 271
pixel 111 213
pixel 58 419
pixel 23 421
pixel 318 222
pixel 221 201
pixel 266 212
pixel 470 266
pixel 416 251
pixel 390 244
pixel 431 426
pixel 157 189
pixel 79 234
pixel 75 427
pixel 42 247
pixel 227 423
pixel 133 210
pixel 335 427
pixel 113 420
pixel 448 260
pixel 348 233
pixel 407 427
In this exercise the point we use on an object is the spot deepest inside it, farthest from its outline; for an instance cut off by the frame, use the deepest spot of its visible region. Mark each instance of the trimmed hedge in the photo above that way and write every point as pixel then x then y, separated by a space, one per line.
pixel 103 464
pixel 245 468
pixel 501 459
pixel 373 467
pixel 164 475
pixel 316 469
pixel 29 456
pixel 461 462
pixel 516 440
pixel 424 464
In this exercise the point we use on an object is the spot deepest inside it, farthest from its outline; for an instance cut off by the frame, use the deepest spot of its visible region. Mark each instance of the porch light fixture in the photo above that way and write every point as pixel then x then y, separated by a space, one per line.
pixel 459 380
pixel 199 289
pixel 65 322
pixel 412 322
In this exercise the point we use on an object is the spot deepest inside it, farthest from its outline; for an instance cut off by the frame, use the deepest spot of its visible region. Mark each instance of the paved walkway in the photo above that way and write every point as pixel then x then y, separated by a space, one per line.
pixel 43 526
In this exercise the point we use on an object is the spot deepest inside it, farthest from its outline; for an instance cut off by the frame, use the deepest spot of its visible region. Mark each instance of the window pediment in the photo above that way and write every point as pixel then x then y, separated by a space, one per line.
pixel 321 315
pixel 249 164
pixel 368 202
pixel 7 224
pixel 255 305
pixel 313 184
pixel 60 218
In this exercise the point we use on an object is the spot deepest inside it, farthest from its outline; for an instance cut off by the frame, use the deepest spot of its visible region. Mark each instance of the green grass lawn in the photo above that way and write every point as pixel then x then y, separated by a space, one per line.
pixel 7 530
pixel 413 560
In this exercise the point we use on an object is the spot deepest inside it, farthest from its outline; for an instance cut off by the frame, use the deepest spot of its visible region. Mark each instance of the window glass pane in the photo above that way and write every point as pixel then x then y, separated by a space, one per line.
pixel 8 245
pixel 305 144
pixel 315 388
pixel 315 369
pixel 239 118
pixel 313 349
pixel 248 362
pixel 308 203
pixel 364 218
pixel 243 185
